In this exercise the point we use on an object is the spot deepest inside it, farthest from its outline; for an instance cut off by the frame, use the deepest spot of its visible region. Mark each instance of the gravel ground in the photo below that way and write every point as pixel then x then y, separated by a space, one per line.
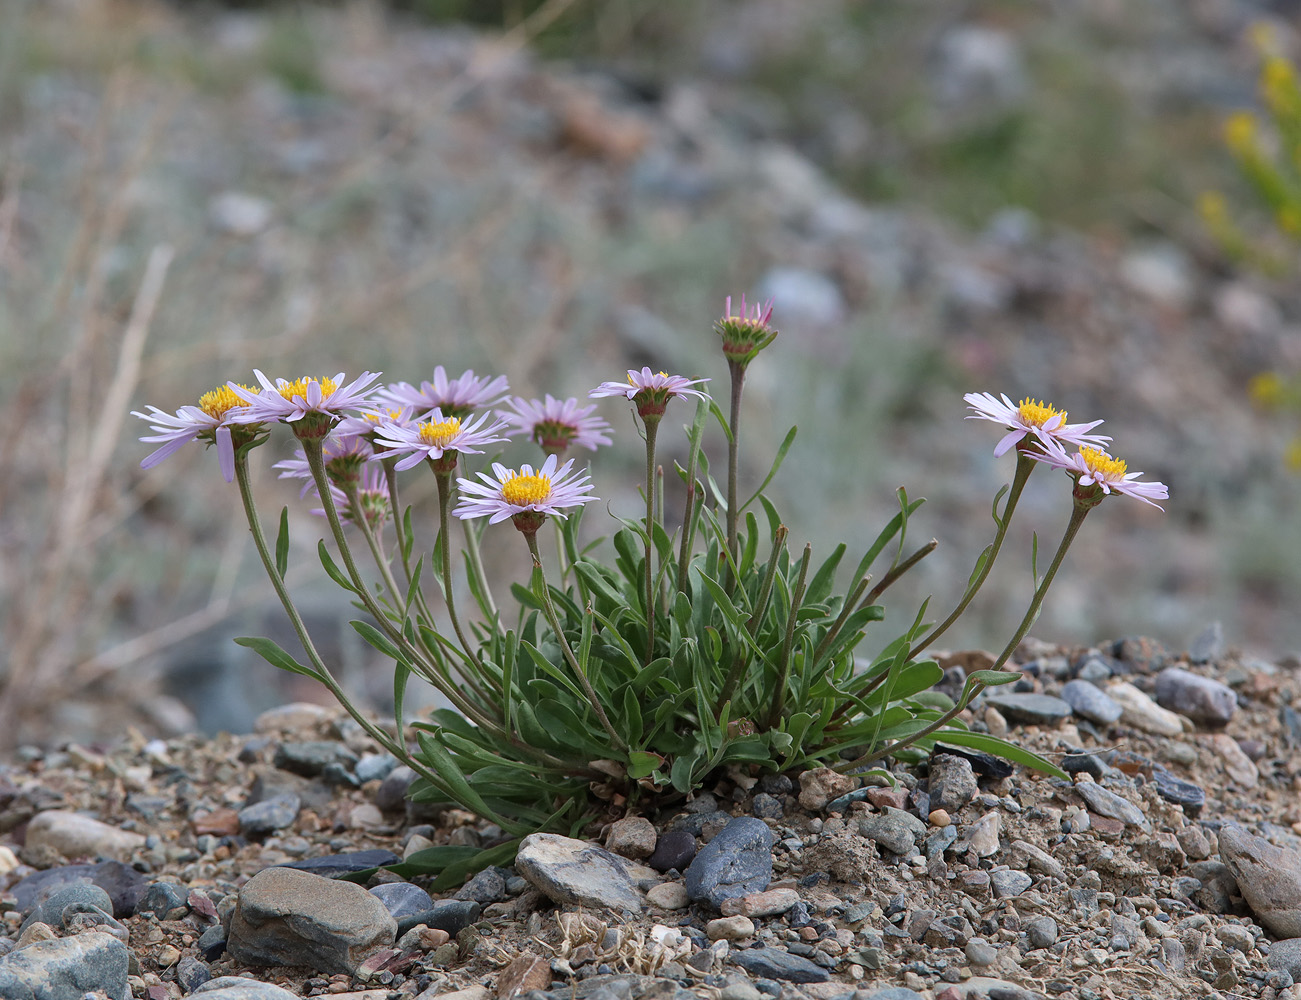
pixel 1151 874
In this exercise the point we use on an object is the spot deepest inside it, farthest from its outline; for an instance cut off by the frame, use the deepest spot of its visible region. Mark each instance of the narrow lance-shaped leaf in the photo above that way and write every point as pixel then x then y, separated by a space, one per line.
pixel 270 651
pixel 282 544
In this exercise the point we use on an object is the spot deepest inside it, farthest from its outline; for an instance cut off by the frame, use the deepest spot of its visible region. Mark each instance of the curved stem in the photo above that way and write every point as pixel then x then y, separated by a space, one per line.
pixel 616 740
pixel 1024 466
pixel 652 428
pixel 417 656
pixel 1078 513
pixel 737 371
pixel 393 746
pixel 788 640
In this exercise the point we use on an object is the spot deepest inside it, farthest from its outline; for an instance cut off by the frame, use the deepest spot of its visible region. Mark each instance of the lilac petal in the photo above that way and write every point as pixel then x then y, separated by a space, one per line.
pixel 226 453
pixel 1009 439
pixel 165 452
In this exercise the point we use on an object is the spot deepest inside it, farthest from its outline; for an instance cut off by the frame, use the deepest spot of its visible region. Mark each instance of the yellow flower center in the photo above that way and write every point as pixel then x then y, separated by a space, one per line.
pixel 375 418
pixel 219 400
pixel 440 433
pixel 1039 413
pixel 523 490
pixel 1102 464
pixel 298 387
pixel 631 382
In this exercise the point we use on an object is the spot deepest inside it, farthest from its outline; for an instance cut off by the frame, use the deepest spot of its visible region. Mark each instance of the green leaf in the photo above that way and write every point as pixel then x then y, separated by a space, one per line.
pixel 408 536
pixel 379 640
pixel 414 587
pixel 632 722
pixel 282 544
pixel 999 748
pixel 270 651
pixel 401 674
pixel 445 766
pixel 780 457
pixel 819 588
pixel 643 763
pixel 332 569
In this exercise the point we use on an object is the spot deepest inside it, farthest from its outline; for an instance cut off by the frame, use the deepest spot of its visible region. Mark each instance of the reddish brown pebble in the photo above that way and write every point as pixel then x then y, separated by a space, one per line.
pixel 527 972
pixel 218 823
pixel 894 798
pixel 950 993
pixel 1105 826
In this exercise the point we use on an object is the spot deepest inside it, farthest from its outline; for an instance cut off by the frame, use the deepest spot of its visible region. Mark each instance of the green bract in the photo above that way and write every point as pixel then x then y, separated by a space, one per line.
pixel 626 670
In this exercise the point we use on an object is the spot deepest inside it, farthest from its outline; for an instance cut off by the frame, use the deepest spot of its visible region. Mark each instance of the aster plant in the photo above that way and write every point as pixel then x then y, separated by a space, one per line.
pixel 679 646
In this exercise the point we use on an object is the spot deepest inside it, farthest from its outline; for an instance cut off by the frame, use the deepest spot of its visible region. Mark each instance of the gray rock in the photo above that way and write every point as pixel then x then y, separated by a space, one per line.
pixel 266 817
pixel 123 884
pixel 1208 645
pixel 374 767
pixel 979 67
pixel 1090 702
pixel 952 782
pixel 82 894
pixel 162 898
pixel 312 757
pixel 1105 802
pixel 191 973
pixel 980 952
pixel 1213 886
pixel 737 862
pixel 66 969
pixel 1008 882
pixel 1286 954
pixel 810 300
pixel 402 900
pixel 1201 699
pixel 487 886
pixel 391 796
pixel 1172 954
pixel 239 988
pixel 76 836
pixel 674 849
pixel 578 873
pixel 452 915
pixel 1035 709
pixel 774 963
pixel 1268 877
pixel 1041 932
pixel 894 830
pixel 891 993
pixel 289 917
pixel 332 865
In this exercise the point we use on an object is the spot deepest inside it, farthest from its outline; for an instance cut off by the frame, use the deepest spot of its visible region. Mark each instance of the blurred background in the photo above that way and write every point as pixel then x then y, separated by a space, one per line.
pixel 986 195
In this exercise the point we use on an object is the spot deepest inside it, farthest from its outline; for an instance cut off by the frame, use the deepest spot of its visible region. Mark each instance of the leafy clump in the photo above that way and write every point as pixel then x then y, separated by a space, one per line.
pixel 627 669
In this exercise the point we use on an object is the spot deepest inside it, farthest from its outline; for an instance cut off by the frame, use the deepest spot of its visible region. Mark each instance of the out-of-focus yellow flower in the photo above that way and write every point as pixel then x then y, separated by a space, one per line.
pixel 1240 133
pixel 1292 456
pixel 1266 389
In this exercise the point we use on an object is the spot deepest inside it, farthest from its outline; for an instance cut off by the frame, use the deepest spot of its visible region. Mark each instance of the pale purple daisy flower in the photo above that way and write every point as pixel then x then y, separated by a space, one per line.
pixel 457 397
pixel 651 391
pixel 525 491
pixel 345 457
pixel 1092 467
pixel 290 402
pixel 1042 421
pixel 436 435
pixel 367 422
pixel 555 425
pixel 210 421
